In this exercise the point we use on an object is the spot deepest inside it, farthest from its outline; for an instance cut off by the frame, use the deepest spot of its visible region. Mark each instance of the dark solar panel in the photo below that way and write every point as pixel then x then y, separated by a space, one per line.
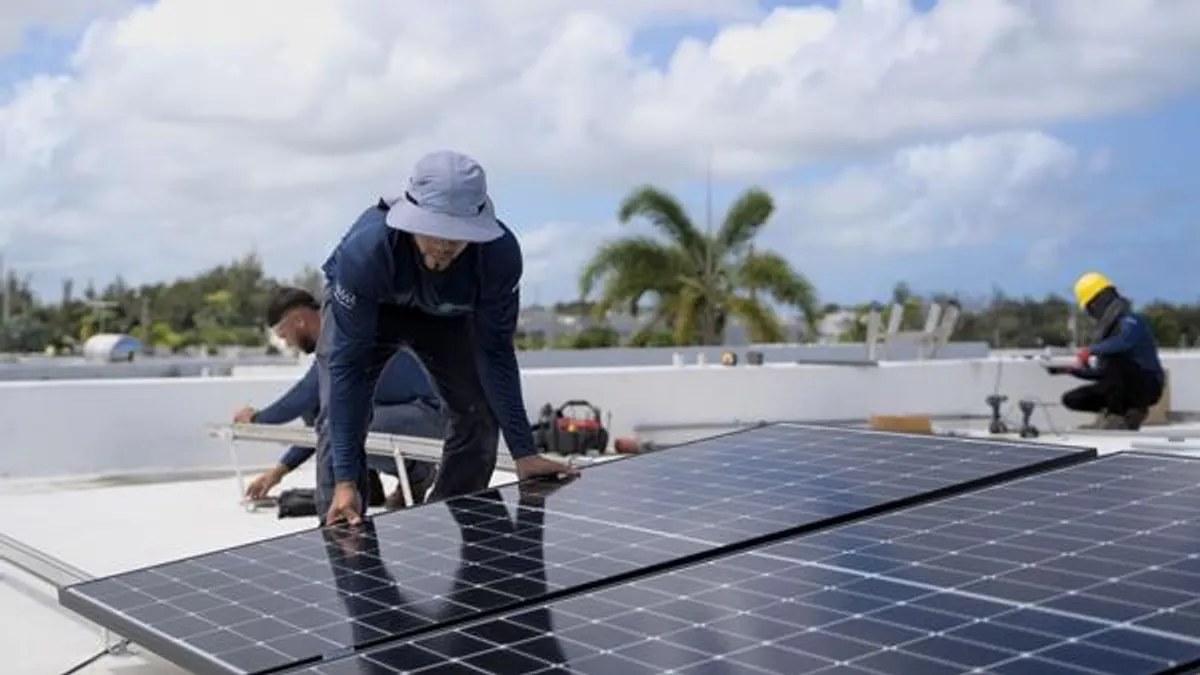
pixel 306 596
pixel 1093 569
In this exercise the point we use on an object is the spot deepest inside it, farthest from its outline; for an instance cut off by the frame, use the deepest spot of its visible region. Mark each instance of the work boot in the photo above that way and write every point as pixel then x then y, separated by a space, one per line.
pixel 1114 423
pixel 1135 417
pixel 1105 421
pixel 419 490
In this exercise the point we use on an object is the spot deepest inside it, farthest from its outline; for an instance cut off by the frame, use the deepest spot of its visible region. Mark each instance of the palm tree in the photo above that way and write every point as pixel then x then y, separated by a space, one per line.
pixel 698 280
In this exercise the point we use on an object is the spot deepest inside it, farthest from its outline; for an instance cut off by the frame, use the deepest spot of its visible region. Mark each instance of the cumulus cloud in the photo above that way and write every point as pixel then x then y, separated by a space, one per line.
pixel 187 129
pixel 962 193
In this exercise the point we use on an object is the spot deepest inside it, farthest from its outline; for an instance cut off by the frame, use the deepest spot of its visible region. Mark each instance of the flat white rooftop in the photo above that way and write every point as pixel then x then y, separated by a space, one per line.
pixel 1181 439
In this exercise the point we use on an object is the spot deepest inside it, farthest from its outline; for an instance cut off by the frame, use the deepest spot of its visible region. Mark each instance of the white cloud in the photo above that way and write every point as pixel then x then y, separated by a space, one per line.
pixel 963 193
pixel 554 254
pixel 544 249
pixel 190 128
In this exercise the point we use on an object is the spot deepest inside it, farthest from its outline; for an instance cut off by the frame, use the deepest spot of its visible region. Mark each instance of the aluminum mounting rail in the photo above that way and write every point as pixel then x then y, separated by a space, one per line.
pixel 56 572
pixel 411 447
pixel 47 568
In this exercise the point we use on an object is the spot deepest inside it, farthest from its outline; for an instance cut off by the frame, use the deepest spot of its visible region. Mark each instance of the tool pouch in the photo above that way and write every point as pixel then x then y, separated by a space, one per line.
pixel 298 503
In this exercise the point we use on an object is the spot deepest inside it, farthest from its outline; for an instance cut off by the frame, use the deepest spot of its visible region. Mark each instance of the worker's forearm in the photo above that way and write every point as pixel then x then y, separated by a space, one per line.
pixel 294 457
pixel 302 397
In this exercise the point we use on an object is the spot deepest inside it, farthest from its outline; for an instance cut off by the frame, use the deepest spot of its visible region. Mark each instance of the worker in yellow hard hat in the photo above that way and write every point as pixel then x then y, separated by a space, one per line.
pixel 1122 365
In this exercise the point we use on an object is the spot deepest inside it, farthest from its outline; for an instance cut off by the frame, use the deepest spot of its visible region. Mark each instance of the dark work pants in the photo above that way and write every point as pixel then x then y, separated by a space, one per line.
pixel 1122 387
pixel 445 346
pixel 419 419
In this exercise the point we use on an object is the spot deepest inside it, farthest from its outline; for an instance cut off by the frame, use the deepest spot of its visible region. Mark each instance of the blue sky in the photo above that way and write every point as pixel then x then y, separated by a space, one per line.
pixel 1146 208
pixel 1131 214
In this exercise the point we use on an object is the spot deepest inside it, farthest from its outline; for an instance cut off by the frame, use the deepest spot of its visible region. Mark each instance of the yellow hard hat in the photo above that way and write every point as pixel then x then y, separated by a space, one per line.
pixel 1089 286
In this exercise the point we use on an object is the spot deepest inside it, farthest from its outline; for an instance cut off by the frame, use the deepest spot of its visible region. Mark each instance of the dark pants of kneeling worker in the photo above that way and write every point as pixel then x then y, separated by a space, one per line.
pixel 1122 387
pixel 422 419
pixel 446 348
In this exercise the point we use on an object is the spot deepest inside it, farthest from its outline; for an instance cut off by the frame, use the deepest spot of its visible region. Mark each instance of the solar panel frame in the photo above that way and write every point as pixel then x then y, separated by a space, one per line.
pixel 1110 611
pixel 762 464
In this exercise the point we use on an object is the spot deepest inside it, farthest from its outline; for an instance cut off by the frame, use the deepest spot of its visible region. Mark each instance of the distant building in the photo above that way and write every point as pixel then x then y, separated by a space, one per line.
pixel 546 325
pixel 541 323
pixel 834 325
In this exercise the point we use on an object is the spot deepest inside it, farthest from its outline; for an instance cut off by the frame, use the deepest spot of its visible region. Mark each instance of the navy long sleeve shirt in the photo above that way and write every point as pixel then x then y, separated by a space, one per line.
pixel 374 265
pixel 302 400
pixel 403 381
pixel 1134 339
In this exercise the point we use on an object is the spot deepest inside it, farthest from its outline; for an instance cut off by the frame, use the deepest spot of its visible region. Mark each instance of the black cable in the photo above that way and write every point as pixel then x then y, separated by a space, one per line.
pixel 95 657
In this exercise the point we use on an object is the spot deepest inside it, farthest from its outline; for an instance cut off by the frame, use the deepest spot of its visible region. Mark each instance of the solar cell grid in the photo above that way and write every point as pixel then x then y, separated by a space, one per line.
pixel 1090 570
pixel 301 597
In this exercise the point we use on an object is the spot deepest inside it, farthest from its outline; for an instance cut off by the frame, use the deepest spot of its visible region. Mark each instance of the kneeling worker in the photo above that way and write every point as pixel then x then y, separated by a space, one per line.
pixel 405 403
pixel 1127 377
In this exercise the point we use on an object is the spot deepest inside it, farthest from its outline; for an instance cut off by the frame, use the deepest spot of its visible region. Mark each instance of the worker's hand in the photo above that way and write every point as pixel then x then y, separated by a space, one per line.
pixel 535 465
pixel 259 487
pixel 1084 357
pixel 345 506
pixel 534 492
pixel 245 415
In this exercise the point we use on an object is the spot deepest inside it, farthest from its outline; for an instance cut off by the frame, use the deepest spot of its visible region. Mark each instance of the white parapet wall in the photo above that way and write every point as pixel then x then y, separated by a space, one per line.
pixel 60 428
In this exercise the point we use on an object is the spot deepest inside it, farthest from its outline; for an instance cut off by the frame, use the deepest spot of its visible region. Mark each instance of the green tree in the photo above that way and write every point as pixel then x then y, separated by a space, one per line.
pixel 161 335
pixel 310 279
pixel 216 322
pixel 101 317
pixel 25 334
pixel 1166 323
pixel 596 337
pixel 658 338
pixel 697 281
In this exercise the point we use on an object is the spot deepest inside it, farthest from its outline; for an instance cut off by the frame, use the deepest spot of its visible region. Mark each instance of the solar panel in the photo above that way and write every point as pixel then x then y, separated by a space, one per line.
pixel 321 594
pixel 1093 569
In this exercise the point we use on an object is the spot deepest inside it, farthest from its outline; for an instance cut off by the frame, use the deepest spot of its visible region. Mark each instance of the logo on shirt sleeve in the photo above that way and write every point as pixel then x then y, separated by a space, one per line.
pixel 344 296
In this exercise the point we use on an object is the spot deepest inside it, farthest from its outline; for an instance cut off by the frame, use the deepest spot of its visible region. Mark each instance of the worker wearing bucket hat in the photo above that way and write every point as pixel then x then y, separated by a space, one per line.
pixel 1122 365
pixel 435 271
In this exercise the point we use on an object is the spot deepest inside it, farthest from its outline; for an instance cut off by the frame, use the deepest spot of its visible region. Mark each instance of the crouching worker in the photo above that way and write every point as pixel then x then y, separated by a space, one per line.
pixel 1125 374
pixel 405 404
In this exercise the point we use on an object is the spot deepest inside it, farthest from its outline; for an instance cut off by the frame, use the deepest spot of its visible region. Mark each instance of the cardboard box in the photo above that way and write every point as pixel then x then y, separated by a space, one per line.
pixel 1160 412
pixel 907 424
